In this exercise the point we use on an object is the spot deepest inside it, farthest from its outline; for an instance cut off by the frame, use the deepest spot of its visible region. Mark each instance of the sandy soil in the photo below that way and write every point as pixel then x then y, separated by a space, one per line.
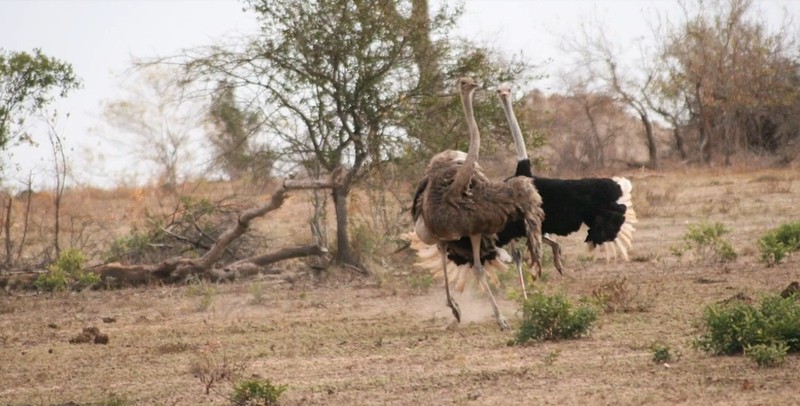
pixel 362 342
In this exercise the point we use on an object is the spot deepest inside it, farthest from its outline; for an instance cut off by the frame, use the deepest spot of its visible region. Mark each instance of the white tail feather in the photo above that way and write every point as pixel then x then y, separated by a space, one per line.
pixel 459 275
pixel 624 240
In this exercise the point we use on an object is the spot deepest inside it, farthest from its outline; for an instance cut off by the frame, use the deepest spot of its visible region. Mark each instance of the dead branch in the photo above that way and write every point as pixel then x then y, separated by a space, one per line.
pixel 179 268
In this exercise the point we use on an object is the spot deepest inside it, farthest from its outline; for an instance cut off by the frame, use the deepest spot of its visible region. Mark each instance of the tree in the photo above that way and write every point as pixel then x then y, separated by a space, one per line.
pixel 340 84
pixel 156 111
pixel 26 85
pixel 598 59
pixel 738 81
pixel 232 131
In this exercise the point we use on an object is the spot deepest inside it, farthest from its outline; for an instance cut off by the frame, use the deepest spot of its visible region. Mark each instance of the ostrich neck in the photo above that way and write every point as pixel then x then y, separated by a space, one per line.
pixel 464 175
pixel 474 134
pixel 516 132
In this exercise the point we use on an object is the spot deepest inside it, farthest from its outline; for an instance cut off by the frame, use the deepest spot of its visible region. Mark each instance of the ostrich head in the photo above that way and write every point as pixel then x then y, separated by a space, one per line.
pixel 446 158
pixel 504 90
pixel 467 84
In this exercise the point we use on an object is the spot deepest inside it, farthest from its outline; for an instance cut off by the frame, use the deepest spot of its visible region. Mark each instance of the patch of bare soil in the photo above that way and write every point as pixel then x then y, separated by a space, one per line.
pixel 364 344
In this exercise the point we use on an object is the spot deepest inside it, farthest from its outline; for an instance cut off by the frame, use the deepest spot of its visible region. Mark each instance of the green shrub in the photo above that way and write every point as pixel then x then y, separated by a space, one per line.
pixel 54 279
pixel 114 399
pixel 257 392
pixel 730 328
pixel 707 242
pixel 553 317
pixel 767 355
pixel 661 353
pixel 779 242
pixel 66 272
pixel 70 261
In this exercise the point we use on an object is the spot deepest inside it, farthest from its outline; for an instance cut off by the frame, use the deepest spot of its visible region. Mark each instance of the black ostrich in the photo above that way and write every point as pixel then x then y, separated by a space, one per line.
pixel 604 205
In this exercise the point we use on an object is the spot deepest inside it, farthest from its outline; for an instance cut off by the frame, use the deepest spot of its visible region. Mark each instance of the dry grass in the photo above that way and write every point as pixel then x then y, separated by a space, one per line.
pixel 354 343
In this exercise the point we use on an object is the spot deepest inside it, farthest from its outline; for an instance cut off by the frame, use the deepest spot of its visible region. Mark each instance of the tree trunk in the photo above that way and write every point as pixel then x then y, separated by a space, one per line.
pixel 652 147
pixel 430 76
pixel 344 253
pixel 705 128
pixel 679 143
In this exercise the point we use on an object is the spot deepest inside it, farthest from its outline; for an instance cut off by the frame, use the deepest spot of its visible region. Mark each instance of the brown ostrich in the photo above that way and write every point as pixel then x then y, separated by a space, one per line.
pixel 459 201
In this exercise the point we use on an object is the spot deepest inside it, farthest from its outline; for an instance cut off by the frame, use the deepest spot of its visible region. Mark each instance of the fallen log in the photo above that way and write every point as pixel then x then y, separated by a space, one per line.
pixel 178 269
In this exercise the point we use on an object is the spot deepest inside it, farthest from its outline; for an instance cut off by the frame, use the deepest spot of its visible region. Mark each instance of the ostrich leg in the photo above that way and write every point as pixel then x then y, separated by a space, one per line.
pixel 479 271
pixel 516 255
pixel 451 303
pixel 556 253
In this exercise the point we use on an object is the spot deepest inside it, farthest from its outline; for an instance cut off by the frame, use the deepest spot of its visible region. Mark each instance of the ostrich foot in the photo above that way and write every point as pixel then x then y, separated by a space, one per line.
pixel 503 323
pixel 451 303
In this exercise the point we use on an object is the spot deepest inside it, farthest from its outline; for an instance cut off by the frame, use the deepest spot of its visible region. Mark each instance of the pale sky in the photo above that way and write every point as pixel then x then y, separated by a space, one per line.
pixel 99 37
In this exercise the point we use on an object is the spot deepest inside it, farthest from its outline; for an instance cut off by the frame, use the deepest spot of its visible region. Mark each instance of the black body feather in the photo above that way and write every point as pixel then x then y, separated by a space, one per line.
pixel 567 203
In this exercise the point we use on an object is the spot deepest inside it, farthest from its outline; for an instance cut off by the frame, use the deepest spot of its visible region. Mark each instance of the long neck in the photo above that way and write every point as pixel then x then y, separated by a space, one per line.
pixel 464 175
pixel 516 132
pixel 472 125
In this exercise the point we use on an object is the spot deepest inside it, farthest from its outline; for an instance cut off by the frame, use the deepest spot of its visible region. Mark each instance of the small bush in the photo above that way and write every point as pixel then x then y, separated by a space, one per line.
pixel 257 290
pixel 257 392
pixel 553 318
pixel 66 272
pixel 661 353
pixel 779 242
pixel 707 242
pixel 730 328
pixel 70 261
pixel 53 280
pixel 114 399
pixel 617 297
pixel 767 355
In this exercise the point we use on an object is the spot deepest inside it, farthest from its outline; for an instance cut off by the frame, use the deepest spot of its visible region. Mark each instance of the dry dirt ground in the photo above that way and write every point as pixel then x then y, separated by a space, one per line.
pixel 363 342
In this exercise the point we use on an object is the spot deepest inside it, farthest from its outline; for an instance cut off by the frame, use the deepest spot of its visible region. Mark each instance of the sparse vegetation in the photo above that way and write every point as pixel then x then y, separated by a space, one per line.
pixel 257 392
pixel 213 366
pixel 776 244
pixel 617 296
pixel 257 291
pixel 732 327
pixel 67 273
pixel 768 355
pixel 553 317
pixel 551 357
pixel 707 243
pixel 661 353
pixel 203 290
pixel 421 282
pixel 115 399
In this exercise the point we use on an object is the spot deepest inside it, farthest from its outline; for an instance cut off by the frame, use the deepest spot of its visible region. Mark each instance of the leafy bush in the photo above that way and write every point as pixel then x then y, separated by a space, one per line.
pixel 661 353
pixel 66 272
pixel 257 392
pixel 707 242
pixel 132 248
pixel 779 242
pixel 768 355
pixel 553 317
pixel 730 328
pixel 54 279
